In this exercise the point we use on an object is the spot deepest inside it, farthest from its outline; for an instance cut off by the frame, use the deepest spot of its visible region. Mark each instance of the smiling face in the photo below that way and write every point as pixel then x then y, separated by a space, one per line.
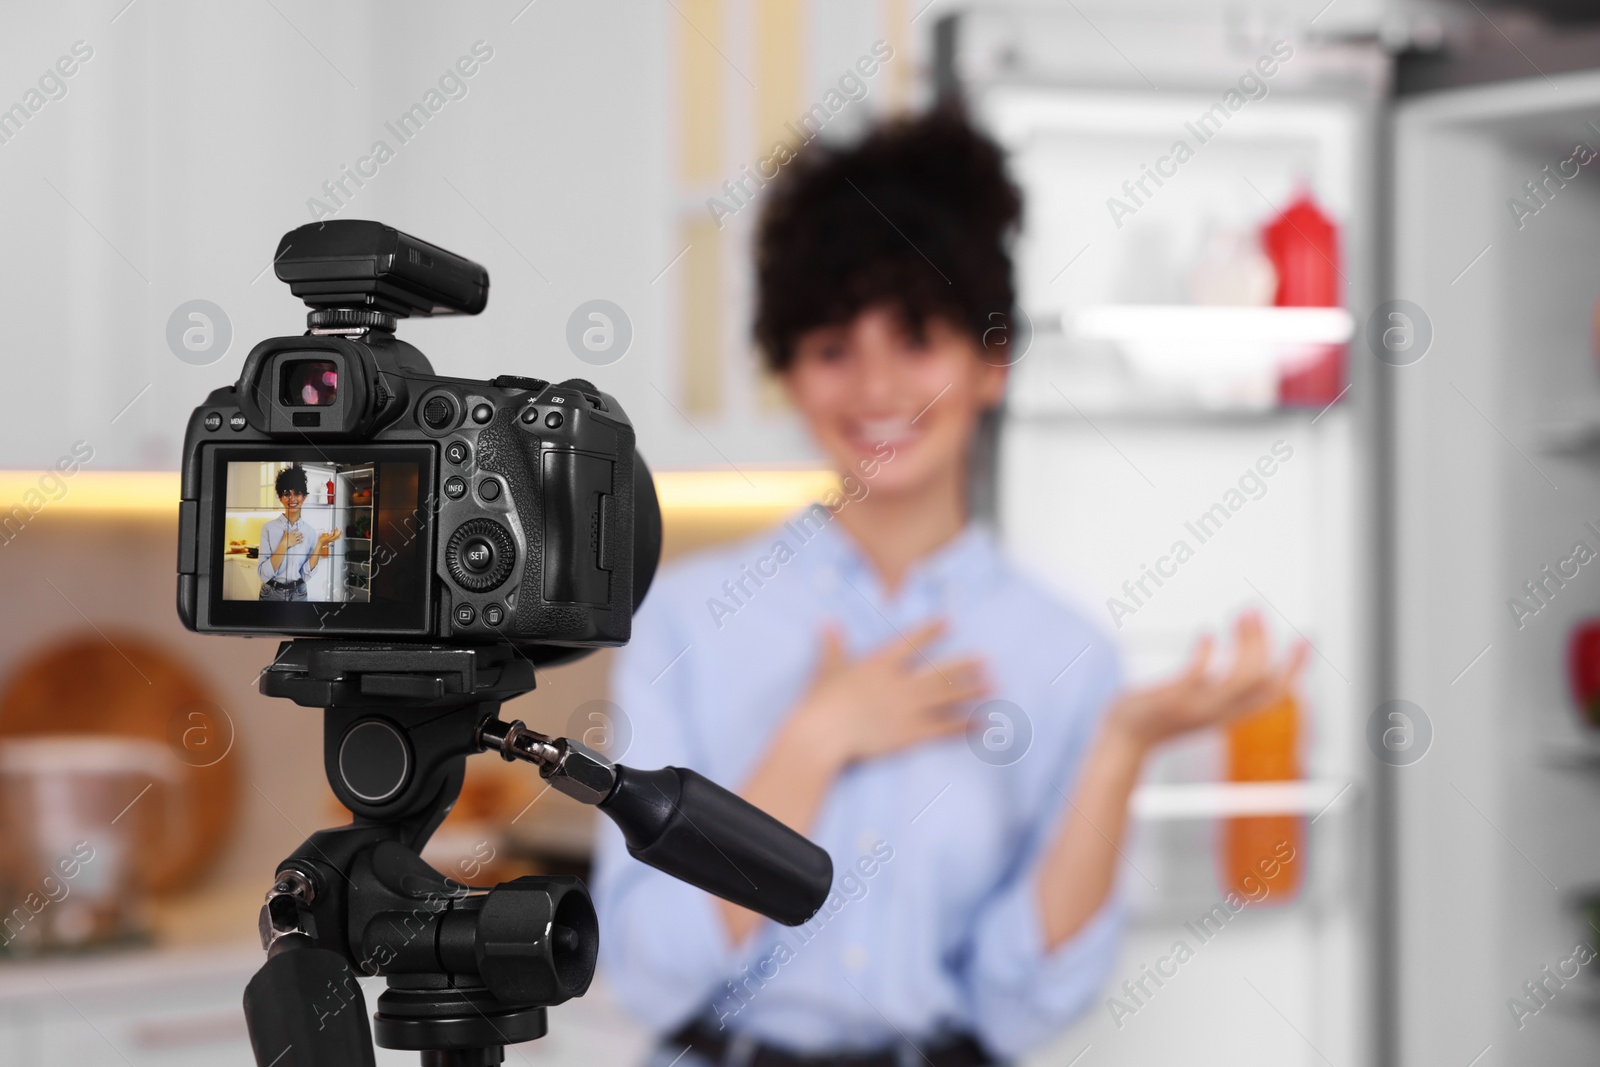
pixel 872 381
pixel 292 499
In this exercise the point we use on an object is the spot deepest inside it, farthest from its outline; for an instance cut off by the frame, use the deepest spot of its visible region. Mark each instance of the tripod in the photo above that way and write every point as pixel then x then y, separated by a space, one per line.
pixel 469 970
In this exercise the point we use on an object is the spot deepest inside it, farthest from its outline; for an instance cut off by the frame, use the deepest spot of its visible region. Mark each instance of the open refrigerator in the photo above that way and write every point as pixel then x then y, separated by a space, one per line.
pixel 1448 790
pixel 1152 383
pixel 342 498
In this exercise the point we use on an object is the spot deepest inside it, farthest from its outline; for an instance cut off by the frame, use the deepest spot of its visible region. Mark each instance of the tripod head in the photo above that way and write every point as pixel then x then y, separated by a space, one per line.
pixel 469 969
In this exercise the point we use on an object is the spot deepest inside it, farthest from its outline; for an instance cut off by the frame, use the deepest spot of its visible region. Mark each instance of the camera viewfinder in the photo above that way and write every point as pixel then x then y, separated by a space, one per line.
pixel 309 383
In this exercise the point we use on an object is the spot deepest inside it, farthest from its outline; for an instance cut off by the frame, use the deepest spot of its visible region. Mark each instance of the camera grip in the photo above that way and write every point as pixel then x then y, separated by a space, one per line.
pixel 685 825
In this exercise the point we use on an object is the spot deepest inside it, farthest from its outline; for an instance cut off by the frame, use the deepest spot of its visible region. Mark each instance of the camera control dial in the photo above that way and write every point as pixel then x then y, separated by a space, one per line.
pixel 480 555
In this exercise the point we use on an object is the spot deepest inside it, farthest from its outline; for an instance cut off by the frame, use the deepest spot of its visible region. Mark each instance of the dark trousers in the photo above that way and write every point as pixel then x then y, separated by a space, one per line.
pixel 721 1048
pixel 275 590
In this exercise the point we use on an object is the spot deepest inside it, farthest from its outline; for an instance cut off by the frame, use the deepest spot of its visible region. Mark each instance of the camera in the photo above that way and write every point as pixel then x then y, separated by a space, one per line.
pixel 426 542
pixel 342 489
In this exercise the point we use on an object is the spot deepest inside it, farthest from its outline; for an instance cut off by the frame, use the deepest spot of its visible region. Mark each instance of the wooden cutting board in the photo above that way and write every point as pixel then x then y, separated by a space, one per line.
pixel 122 685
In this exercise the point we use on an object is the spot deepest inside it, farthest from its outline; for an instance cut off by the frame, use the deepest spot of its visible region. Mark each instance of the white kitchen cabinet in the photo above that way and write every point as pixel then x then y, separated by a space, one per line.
pixel 196 135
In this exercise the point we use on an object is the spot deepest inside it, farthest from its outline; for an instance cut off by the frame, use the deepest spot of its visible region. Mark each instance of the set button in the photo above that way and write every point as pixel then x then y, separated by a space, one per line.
pixel 477 555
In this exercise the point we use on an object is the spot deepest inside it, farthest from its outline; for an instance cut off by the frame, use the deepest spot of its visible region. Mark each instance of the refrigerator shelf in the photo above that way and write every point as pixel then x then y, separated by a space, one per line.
pixel 1228 334
pixel 1177 361
pixel 1576 754
pixel 1578 439
pixel 1222 800
pixel 1051 407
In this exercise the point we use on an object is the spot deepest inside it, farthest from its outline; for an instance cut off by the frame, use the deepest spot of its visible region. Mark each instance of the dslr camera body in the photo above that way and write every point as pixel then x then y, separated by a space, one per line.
pixel 430 508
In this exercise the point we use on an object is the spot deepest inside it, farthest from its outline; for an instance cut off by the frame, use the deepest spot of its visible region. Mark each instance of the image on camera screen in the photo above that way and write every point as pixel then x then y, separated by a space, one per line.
pixel 322 531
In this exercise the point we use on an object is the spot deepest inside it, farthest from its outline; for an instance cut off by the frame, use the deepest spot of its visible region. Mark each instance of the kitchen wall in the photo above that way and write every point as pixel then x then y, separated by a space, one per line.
pixel 575 162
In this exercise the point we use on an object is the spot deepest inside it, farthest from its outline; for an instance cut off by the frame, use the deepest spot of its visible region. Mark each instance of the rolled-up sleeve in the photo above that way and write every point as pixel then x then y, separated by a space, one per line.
pixel 663 947
pixel 1021 994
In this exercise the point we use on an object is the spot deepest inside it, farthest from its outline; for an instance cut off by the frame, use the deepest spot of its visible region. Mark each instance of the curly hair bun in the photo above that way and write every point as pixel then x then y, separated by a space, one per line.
pixel 292 477
pixel 918 215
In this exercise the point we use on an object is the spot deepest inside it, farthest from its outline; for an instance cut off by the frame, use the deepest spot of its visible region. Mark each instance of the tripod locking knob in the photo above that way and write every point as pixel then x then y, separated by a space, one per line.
pixel 536 941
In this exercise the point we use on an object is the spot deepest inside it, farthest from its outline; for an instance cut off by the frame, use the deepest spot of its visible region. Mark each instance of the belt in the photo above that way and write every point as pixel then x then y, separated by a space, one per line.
pixel 715 1045
pixel 274 583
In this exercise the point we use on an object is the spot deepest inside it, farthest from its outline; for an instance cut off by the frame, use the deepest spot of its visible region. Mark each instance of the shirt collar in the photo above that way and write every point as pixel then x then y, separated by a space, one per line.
pixel 963 565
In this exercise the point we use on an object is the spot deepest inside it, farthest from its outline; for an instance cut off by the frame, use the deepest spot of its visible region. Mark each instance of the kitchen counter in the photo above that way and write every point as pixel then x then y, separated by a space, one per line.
pixel 177 1002
pixel 178 1006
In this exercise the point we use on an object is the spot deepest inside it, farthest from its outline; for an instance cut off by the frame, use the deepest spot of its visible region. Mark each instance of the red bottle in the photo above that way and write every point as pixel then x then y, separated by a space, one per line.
pixel 330 491
pixel 1583 669
pixel 1303 244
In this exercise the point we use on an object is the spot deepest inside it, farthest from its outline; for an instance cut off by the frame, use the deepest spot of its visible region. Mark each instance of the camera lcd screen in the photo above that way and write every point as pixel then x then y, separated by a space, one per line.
pixel 330 539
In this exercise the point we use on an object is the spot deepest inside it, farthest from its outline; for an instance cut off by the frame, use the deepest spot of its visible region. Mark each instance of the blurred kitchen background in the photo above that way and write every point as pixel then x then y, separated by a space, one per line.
pixel 1342 346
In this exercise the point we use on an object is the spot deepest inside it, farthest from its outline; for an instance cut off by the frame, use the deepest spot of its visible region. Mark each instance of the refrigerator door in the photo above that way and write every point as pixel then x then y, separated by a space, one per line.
pixel 322 582
pixel 1488 361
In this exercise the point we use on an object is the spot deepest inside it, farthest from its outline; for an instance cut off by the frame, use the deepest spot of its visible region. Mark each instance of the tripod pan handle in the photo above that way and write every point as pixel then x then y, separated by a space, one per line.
pixel 685 825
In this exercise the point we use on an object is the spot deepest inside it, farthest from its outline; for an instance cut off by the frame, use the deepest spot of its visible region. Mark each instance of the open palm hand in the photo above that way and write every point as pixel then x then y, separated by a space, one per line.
pixel 1197 697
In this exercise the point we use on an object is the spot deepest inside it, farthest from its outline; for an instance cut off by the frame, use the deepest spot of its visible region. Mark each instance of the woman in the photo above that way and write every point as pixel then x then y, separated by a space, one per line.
pixel 285 565
pixel 878 676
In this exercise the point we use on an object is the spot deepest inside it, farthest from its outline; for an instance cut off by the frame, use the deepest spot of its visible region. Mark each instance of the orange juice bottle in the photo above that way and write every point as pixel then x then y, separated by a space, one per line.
pixel 1263 856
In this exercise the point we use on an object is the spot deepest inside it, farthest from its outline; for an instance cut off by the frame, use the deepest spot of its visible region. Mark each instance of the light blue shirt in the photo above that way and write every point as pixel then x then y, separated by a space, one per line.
pixel 934 924
pixel 293 567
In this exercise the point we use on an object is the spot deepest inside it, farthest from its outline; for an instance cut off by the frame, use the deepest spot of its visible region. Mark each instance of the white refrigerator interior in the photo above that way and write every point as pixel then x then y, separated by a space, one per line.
pixel 1117 445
